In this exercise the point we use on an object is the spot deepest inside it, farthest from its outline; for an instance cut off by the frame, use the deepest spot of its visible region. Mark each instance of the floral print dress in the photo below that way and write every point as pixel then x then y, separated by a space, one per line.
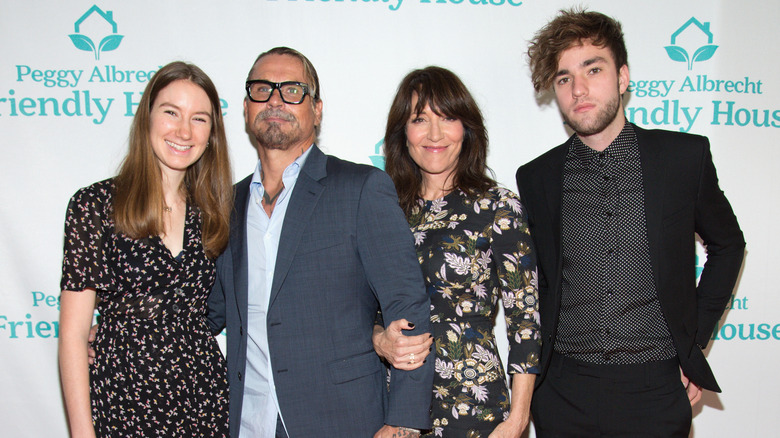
pixel 158 370
pixel 474 252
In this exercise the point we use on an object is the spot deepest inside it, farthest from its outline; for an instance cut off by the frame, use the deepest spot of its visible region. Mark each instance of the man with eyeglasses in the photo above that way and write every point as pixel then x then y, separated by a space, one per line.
pixel 317 246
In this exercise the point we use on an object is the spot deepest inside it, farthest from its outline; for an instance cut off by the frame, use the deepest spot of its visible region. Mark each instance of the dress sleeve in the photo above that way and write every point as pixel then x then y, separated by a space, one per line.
pixel 515 260
pixel 87 226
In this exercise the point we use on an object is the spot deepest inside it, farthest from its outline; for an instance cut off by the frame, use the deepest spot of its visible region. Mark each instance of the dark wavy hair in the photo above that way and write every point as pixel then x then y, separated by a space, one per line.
pixel 446 95
pixel 572 27
pixel 208 183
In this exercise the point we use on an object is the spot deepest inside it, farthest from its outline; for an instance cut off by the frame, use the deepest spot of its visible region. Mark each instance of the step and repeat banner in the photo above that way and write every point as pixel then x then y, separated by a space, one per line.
pixel 72 73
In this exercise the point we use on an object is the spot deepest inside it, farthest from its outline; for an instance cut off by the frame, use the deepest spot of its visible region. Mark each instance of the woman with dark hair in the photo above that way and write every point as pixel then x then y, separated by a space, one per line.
pixel 474 248
pixel 143 246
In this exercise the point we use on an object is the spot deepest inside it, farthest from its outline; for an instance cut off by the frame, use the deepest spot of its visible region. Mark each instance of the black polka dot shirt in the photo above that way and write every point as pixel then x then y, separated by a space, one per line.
pixel 610 312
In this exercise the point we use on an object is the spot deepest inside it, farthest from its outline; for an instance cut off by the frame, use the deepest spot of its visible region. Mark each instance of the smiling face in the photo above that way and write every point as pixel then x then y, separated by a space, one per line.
pixel 588 87
pixel 180 125
pixel 434 143
pixel 279 125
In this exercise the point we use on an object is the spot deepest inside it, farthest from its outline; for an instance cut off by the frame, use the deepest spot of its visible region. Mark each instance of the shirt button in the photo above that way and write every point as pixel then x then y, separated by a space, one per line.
pixel 607 357
pixel 609 214
pixel 179 291
pixel 610 293
pixel 176 308
pixel 605 177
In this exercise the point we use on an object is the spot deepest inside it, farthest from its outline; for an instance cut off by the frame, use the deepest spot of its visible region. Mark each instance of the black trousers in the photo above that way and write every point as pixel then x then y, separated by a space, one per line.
pixel 580 399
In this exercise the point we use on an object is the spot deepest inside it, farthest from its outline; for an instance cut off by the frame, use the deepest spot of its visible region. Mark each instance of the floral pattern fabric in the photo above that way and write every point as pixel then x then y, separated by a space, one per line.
pixel 158 370
pixel 473 252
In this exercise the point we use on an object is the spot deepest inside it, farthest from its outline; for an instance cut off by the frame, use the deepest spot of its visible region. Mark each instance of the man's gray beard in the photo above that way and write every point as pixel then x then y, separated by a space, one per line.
pixel 274 138
pixel 603 119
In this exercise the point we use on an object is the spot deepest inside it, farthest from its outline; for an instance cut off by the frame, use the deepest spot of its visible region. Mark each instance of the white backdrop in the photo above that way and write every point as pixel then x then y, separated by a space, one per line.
pixel 65 113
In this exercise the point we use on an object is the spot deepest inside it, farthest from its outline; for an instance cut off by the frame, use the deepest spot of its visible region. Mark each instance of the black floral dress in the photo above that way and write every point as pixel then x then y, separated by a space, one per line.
pixel 473 252
pixel 158 370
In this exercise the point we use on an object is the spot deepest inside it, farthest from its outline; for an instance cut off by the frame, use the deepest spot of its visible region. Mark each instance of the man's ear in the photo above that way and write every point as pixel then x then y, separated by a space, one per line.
pixel 318 113
pixel 623 78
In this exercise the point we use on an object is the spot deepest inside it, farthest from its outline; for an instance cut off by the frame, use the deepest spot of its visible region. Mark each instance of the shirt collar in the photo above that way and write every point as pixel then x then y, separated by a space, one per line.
pixel 619 149
pixel 290 173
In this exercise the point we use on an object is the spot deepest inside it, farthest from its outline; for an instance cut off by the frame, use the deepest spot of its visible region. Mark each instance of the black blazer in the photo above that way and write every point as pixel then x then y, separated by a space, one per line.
pixel 682 197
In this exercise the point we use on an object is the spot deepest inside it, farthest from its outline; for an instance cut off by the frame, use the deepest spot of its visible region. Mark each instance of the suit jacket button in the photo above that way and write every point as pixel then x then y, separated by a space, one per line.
pixel 239 375
pixel 241 330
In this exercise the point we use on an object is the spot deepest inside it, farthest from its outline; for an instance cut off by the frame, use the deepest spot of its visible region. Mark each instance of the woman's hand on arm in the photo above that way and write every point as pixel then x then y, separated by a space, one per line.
pixel 401 351
pixel 520 410
pixel 76 311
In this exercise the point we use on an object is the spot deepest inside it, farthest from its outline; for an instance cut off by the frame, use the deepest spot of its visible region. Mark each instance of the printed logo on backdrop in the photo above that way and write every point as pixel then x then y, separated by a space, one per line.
pixel 86 87
pixel 378 159
pixel 675 102
pixel 40 321
pixel 107 43
pixel 394 5
pixel 732 326
pixel 703 53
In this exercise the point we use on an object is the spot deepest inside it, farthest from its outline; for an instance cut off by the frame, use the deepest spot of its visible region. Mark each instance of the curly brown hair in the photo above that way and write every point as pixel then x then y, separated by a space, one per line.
pixel 572 27
pixel 446 95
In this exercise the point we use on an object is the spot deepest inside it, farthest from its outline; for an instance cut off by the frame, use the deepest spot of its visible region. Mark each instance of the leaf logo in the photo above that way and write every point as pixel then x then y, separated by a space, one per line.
pixel 107 44
pixel 378 160
pixel 703 53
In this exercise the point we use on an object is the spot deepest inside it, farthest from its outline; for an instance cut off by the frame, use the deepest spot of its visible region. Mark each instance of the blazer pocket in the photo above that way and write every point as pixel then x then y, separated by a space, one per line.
pixel 677 216
pixel 354 367
pixel 310 244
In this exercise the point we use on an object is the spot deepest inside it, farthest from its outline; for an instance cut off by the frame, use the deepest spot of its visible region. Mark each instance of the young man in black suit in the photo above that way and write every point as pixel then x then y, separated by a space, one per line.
pixel 613 212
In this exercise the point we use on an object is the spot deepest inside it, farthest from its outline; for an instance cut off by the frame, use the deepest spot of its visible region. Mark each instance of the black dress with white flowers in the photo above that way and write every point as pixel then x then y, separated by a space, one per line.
pixel 473 252
pixel 158 370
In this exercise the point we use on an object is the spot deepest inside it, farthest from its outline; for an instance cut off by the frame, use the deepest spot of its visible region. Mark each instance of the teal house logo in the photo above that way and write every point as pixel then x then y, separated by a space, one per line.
pixel 378 160
pixel 703 53
pixel 107 43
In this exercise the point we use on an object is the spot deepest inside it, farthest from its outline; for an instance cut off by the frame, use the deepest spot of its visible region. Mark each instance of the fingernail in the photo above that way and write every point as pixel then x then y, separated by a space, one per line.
pixel 411 325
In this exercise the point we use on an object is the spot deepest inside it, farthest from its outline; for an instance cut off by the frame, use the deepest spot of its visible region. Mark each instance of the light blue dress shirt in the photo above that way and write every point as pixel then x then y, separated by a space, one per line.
pixel 261 405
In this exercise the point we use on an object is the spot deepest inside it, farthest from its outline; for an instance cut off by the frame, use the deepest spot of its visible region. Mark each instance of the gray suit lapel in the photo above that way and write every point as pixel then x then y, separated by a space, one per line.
pixel 238 247
pixel 303 200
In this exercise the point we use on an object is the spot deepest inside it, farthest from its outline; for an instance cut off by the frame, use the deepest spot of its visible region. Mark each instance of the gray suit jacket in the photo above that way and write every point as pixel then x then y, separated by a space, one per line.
pixel 682 197
pixel 345 251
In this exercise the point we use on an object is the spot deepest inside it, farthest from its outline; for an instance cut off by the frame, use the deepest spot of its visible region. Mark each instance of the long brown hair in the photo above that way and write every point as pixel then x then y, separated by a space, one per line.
pixel 138 195
pixel 446 95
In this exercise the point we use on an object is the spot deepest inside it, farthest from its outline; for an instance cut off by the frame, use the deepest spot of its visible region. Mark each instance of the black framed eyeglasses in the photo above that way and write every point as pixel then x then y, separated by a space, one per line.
pixel 291 92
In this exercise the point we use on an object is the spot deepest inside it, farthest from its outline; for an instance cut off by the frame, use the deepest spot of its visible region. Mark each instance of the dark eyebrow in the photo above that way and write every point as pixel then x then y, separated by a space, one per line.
pixel 585 63
pixel 593 60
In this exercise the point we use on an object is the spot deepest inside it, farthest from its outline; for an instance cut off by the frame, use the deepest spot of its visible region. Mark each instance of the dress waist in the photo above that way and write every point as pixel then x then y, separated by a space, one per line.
pixel 163 305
